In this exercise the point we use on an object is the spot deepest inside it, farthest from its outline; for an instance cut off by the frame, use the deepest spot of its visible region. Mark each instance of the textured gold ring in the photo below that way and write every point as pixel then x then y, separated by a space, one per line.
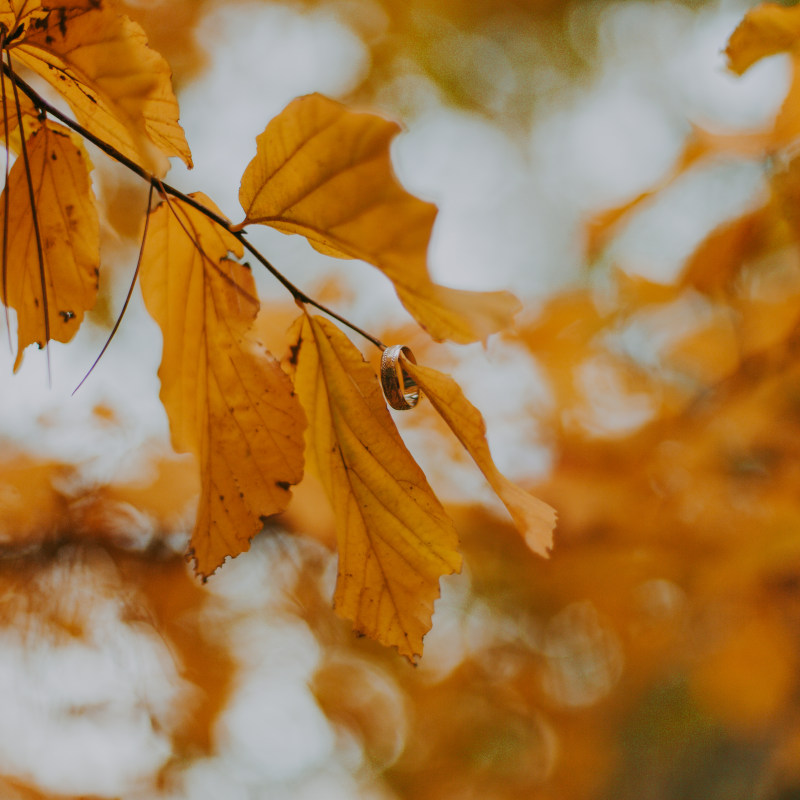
pixel 399 388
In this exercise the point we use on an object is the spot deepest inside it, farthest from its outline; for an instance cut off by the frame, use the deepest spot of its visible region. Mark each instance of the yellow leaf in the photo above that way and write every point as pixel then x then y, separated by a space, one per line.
pixel 766 30
pixel 394 538
pixel 50 298
pixel 326 173
pixel 227 399
pixel 19 14
pixel 31 121
pixel 118 87
pixel 534 519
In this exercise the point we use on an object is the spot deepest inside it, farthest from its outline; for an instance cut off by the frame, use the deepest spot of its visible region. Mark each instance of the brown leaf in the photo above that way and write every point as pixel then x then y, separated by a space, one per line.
pixel 534 519
pixel 326 173
pixel 118 87
pixel 395 539
pixel 51 298
pixel 227 399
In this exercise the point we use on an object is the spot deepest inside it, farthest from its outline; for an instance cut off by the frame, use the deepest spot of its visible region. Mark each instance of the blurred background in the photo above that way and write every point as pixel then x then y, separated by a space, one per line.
pixel 599 160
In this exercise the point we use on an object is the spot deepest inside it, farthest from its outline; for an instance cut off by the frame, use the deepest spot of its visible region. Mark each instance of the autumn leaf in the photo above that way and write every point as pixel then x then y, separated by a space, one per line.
pixel 765 30
pixel 394 538
pixel 119 88
pixel 18 15
pixel 533 518
pixel 325 172
pixel 9 129
pixel 227 399
pixel 50 296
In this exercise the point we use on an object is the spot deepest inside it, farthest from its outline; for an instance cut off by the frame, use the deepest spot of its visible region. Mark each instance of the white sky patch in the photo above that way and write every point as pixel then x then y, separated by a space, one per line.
pixel 611 144
pixel 487 235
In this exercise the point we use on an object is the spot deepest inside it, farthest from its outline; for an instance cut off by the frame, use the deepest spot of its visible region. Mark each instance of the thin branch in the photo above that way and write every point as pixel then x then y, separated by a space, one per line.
pixel 304 298
pixel 127 297
pixel 6 202
pixel 34 217
pixel 165 188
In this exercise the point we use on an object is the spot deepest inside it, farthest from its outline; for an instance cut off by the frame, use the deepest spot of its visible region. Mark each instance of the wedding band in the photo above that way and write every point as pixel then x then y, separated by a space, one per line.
pixel 393 377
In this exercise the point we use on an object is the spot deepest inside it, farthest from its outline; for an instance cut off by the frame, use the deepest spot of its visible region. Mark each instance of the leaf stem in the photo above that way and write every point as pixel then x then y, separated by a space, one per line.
pixel 127 297
pixel 111 151
pixel 6 199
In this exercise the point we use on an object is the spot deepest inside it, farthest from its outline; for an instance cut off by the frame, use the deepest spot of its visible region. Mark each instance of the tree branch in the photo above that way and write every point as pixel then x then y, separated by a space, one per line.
pixel 298 294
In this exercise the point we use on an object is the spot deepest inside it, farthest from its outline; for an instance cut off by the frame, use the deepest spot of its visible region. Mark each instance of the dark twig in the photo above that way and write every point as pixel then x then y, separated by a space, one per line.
pixel 34 217
pixel 6 201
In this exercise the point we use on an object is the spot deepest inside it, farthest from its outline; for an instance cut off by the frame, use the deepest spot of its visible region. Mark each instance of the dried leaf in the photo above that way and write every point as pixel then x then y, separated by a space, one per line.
pixel 765 30
pixel 228 400
pixel 395 540
pixel 534 519
pixel 325 172
pixel 52 297
pixel 118 87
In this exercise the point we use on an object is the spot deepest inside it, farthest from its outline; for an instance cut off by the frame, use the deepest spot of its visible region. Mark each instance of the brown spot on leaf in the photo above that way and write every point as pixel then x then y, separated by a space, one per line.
pixel 294 352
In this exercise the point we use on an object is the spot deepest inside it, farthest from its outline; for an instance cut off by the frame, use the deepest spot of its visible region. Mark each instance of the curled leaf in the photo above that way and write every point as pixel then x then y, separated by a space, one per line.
pixel 533 518
pixel 227 399
pixel 394 538
pixel 50 295
pixel 325 172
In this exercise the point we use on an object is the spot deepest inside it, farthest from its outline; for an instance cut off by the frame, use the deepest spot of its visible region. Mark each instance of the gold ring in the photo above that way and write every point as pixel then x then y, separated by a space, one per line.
pixel 393 376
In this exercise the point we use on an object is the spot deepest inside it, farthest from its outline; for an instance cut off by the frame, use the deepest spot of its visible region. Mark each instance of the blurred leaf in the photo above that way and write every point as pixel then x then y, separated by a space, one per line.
pixel 765 30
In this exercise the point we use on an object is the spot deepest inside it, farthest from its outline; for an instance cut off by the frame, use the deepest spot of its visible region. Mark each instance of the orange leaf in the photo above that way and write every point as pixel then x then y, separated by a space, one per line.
pixel 534 519
pixel 326 173
pixel 51 297
pixel 719 258
pixel 765 30
pixel 395 539
pixel 228 400
pixel 118 87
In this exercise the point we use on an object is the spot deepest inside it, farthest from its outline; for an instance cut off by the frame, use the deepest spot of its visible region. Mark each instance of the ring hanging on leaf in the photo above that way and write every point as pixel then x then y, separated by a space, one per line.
pixel 393 377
